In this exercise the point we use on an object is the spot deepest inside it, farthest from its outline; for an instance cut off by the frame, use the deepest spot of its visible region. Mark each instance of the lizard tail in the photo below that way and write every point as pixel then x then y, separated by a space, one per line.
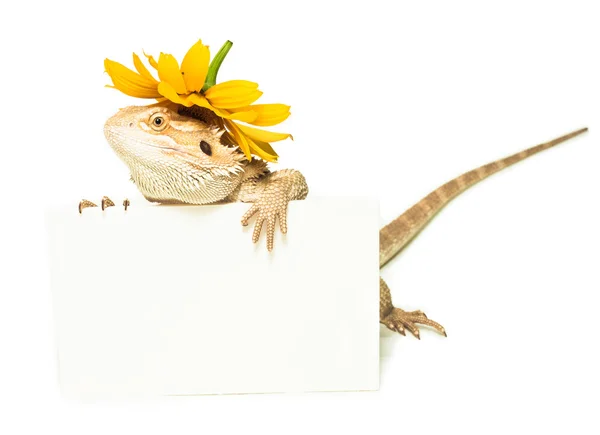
pixel 395 235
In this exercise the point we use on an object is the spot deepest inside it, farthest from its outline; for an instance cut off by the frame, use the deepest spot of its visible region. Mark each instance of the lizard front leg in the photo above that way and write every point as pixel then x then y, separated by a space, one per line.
pixel 397 319
pixel 271 195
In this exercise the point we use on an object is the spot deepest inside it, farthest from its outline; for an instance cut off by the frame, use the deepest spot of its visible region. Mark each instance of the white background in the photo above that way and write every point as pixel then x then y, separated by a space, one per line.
pixel 389 99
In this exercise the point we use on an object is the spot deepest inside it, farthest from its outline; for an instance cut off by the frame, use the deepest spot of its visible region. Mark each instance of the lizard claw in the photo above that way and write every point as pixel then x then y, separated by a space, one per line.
pixel 398 320
pixel 251 212
pixel 105 203
pixel 85 203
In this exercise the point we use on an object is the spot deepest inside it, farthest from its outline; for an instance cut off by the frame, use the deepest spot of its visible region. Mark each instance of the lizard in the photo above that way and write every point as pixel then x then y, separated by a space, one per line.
pixel 178 155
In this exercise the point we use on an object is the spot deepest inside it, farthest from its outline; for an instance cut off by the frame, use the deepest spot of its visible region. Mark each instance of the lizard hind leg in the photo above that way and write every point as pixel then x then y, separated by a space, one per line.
pixel 399 320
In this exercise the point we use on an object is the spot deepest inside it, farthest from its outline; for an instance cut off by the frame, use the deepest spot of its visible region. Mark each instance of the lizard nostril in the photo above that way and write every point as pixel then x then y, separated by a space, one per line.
pixel 130 124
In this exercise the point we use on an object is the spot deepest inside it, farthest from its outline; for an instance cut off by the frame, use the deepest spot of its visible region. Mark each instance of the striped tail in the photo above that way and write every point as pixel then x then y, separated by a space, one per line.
pixel 395 235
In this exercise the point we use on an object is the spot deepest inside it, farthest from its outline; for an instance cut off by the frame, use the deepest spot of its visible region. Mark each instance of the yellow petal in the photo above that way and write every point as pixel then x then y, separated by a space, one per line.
pixel 167 91
pixel 151 60
pixel 263 150
pixel 200 100
pixel 168 71
pixel 234 84
pixel 195 66
pixel 232 94
pixel 130 82
pixel 266 147
pixel 239 138
pixel 263 135
pixel 248 116
pixel 141 68
pixel 267 114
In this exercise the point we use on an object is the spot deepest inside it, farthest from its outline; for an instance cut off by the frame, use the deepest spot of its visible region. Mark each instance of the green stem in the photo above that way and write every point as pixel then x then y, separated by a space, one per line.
pixel 215 64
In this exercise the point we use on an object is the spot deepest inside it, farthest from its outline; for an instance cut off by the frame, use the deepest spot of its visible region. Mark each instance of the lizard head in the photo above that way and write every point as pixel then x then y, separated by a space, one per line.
pixel 158 143
pixel 158 132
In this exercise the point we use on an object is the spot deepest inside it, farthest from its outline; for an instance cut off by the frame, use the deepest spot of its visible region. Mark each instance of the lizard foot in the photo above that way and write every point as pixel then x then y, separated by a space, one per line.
pixel 268 209
pixel 399 320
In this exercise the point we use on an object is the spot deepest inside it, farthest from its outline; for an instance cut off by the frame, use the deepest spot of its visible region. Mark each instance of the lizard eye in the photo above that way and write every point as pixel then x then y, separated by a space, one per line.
pixel 158 122
pixel 205 147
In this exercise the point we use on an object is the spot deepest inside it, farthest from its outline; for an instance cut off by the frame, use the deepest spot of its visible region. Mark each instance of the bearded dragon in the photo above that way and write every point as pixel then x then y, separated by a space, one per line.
pixel 182 156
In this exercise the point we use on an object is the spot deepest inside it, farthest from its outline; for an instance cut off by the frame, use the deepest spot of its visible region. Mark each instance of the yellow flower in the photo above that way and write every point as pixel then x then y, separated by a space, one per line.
pixel 193 83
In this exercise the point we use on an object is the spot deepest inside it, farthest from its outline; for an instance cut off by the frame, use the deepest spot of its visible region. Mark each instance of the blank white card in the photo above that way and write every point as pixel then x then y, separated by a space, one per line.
pixel 170 300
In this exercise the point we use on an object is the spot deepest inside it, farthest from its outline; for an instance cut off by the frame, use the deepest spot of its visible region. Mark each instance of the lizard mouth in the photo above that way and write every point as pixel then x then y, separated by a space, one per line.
pixel 166 148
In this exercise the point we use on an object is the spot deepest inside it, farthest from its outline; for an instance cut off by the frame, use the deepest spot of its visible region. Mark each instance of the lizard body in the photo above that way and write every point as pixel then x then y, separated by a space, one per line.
pixel 184 157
